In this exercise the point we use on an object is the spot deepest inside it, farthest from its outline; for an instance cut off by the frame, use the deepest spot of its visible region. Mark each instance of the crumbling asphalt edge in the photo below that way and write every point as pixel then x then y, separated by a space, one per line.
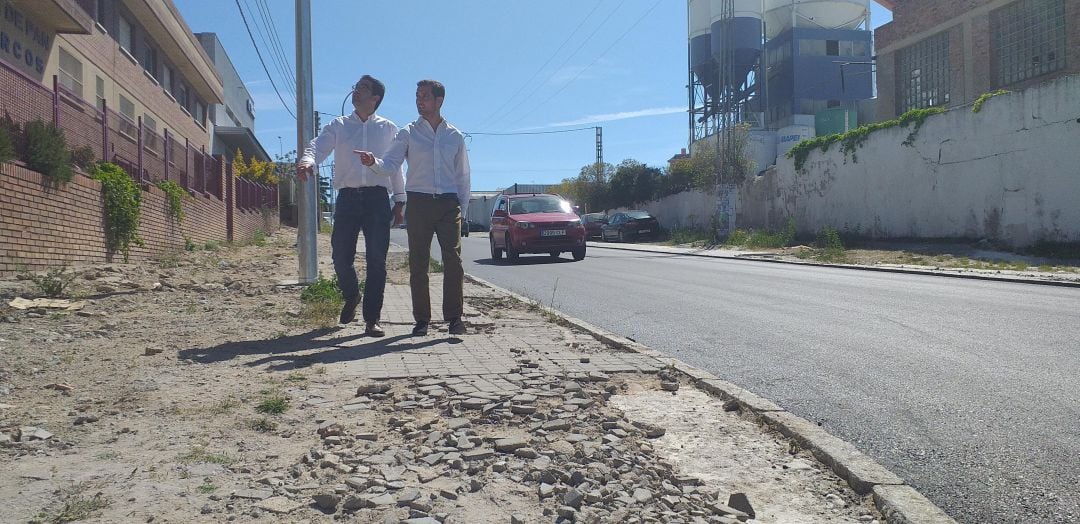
pixel 898 502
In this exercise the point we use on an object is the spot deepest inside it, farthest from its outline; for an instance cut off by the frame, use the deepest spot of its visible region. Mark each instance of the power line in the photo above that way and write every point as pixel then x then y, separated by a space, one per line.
pixel 268 21
pixel 597 59
pixel 563 64
pixel 550 58
pixel 264 35
pixel 531 132
pixel 261 61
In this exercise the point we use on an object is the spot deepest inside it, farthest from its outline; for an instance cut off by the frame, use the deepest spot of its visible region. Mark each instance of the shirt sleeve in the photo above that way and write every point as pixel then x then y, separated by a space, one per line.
pixel 390 164
pixel 321 146
pixel 397 179
pixel 464 178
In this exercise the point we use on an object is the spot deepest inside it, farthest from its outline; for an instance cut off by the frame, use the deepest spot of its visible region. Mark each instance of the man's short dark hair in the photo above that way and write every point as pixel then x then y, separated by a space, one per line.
pixel 377 88
pixel 437 89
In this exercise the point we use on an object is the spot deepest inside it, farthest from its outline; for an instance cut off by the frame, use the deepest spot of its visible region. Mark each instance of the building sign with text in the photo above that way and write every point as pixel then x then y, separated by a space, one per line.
pixel 24 44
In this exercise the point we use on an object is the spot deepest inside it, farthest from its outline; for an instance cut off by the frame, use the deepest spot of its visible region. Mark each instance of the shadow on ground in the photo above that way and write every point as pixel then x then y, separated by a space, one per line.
pixel 307 349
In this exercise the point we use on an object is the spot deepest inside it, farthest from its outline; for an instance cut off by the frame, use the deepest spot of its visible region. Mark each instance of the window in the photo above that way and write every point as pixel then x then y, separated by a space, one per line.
pixel 71 72
pixel 149 59
pixel 812 47
pixel 832 47
pixel 99 89
pixel 101 14
pixel 922 74
pixel 166 78
pixel 859 48
pixel 181 93
pixel 127 108
pixel 126 125
pixel 200 113
pixel 1029 39
pixel 125 35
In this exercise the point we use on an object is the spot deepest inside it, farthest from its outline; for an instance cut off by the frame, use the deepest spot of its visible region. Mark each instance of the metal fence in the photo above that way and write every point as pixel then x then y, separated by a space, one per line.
pixel 148 157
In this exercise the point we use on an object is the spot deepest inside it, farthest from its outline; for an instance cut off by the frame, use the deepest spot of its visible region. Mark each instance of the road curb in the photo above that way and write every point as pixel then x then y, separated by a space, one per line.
pixel 899 270
pixel 898 502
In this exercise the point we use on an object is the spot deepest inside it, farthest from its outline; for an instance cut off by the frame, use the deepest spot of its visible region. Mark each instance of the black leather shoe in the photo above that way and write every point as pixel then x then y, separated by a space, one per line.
pixel 420 329
pixel 348 311
pixel 457 327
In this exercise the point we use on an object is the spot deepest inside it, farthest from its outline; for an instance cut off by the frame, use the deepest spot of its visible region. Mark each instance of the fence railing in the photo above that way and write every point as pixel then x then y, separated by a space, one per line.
pixel 148 157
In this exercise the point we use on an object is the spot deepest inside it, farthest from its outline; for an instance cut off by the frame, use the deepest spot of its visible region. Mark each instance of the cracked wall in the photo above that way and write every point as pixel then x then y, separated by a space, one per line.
pixel 1010 173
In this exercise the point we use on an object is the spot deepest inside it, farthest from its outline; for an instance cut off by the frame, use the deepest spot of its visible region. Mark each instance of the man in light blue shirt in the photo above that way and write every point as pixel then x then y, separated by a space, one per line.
pixel 437 187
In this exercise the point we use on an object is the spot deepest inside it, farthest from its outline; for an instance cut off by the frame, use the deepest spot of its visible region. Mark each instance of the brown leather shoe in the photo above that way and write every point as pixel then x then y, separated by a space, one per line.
pixel 374 330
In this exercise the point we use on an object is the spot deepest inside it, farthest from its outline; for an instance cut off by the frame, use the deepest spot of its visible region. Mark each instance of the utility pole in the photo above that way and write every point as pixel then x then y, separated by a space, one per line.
pixel 599 150
pixel 307 191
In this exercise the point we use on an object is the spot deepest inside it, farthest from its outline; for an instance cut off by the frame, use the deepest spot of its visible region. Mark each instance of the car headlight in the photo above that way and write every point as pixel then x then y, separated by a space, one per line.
pixel 575 221
pixel 524 225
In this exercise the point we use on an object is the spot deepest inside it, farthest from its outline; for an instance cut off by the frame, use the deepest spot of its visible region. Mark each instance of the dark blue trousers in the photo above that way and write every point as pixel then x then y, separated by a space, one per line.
pixel 366 210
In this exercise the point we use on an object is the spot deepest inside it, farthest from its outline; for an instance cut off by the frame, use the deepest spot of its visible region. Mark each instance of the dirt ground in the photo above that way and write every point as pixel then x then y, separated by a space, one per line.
pixel 104 416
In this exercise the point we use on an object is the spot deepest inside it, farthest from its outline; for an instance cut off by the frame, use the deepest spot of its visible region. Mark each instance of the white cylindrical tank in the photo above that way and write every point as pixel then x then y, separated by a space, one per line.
pixel 787 137
pixel 822 14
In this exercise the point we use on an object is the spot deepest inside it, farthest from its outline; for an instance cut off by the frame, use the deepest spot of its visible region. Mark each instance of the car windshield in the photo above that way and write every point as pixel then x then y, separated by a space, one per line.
pixel 638 214
pixel 594 218
pixel 539 204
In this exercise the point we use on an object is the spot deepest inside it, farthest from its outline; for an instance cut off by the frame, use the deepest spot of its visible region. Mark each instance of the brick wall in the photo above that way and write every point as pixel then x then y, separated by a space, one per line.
pixel 42 227
pixel 971 46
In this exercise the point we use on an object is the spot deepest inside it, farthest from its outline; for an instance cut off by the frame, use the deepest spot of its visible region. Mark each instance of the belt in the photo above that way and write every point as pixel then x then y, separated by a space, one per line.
pixel 429 196
pixel 364 189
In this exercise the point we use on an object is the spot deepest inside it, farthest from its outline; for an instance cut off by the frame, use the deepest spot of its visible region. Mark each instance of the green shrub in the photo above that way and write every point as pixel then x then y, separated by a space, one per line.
pixel 854 139
pixel 977 106
pixel 174 195
pixel 83 158
pixel 47 152
pixel 54 282
pixel 763 239
pixel 322 290
pixel 122 208
pixel 7 145
pixel 259 239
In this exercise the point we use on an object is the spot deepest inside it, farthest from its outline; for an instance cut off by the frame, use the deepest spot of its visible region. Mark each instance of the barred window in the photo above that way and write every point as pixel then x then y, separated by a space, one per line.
pixel 922 74
pixel 1029 39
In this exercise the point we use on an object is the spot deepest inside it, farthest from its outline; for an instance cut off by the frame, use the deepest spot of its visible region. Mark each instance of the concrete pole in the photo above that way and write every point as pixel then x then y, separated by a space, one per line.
pixel 307 198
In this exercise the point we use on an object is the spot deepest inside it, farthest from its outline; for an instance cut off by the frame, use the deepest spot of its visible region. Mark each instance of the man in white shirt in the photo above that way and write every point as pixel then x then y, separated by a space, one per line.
pixel 437 185
pixel 363 203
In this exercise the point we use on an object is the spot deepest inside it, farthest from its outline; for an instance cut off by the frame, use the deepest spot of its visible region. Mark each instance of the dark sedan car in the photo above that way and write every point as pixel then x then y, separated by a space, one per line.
pixel 593 223
pixel 630 225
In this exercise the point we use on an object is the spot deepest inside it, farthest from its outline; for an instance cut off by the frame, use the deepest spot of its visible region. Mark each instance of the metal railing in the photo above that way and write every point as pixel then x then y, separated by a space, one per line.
pixel 148 157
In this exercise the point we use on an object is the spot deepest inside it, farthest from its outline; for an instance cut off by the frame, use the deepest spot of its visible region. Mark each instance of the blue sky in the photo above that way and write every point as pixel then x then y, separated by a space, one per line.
pixel 508 66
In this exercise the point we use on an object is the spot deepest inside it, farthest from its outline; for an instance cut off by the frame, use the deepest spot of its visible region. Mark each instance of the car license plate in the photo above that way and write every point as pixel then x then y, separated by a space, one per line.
pixel 643 231
pixel 553 232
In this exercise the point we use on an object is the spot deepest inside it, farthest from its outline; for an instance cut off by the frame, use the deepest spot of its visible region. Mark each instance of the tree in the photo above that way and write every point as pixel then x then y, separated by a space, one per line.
pixel 255 170
pixel 679 178
pixel 589 189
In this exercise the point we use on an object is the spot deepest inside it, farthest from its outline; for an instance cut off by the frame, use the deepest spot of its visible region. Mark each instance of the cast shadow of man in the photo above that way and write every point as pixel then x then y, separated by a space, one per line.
pixel 303 350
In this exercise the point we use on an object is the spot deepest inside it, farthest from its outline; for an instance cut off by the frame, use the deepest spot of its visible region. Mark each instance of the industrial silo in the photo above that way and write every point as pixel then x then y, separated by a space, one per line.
pixel 782 15
pixel 701 61
pixel 736 24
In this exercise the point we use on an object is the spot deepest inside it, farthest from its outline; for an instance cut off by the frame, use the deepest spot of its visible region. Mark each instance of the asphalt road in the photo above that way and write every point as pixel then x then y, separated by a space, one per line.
pixel 967 389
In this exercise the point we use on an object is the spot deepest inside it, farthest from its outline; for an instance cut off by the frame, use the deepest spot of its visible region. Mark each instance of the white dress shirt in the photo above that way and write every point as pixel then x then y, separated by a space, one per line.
pixel 438 160
pixel 346 133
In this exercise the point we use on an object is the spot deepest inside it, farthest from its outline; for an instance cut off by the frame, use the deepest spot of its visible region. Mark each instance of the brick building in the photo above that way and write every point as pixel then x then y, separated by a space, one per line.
pixel 129 81
pixel 948 53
